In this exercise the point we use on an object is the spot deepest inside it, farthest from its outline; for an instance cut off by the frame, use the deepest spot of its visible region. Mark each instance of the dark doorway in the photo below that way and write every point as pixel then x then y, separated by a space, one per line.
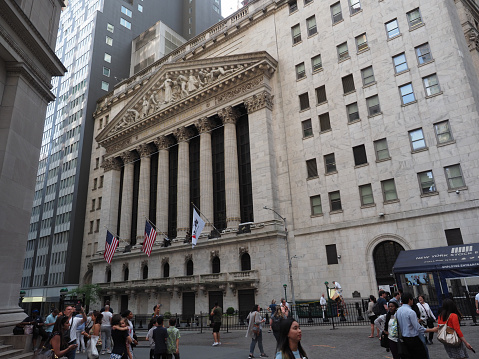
pixel 245 301
pixel 188 306
pixel 123 303
pixel 245 262
pixel 384 256
pixel 215 297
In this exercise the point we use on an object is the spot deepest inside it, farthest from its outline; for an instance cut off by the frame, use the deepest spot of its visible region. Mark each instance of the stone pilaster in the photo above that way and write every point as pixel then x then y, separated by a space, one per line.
pixel 145 151
pixel 111 197
pixel 204 127
pixel 182 135
pixel 233 217
pixel 162 143
pixel 126 197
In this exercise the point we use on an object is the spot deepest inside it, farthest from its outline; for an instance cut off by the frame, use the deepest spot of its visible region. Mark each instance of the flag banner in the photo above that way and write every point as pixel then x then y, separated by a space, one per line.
pixel 196 228
pixel 110 246
pixel 150 237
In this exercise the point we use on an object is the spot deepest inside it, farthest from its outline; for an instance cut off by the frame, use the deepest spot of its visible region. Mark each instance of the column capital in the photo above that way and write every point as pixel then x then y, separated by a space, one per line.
pixel 182 134
pixel 128 157
pixel 144 150
pixel 163 142
pixel 259 101
pixel 228 115
pixel 110 164
pixel 204 125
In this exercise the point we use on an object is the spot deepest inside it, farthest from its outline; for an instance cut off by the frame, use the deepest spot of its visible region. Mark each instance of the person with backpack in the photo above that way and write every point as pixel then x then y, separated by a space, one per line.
pixel 275 321
pixel 372 317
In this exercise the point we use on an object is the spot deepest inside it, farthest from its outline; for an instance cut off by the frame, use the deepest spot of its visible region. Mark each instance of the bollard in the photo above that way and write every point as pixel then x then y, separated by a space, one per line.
pixel 310 320
pixel 360 313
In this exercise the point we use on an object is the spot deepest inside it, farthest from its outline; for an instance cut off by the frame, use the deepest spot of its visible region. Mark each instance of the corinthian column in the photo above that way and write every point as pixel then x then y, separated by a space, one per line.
pixel 204 127
pixel 162 143
pixel 144 189
pixel 182 135
pixel 126 196
pixel 233 217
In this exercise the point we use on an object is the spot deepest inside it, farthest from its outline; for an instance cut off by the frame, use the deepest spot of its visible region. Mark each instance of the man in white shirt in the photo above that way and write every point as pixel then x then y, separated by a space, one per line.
pixel 74 323
pixel 285 307
pixel 106 330
pixel 322 303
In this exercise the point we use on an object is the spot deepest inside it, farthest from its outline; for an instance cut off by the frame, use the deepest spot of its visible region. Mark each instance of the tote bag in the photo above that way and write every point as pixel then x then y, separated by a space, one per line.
pixel 448 335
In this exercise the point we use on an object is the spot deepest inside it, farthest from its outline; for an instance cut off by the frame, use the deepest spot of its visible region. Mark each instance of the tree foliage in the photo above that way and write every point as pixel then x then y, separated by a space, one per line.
pixel 92 293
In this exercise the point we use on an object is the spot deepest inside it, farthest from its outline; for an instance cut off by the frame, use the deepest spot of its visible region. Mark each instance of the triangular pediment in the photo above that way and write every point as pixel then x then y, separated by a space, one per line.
pixel 176 86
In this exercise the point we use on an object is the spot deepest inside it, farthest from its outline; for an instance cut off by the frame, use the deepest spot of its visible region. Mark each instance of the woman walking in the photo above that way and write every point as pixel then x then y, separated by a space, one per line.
pixel 387 323
pixel 93 335
pixel 290 341
pixel 275 322
pixel 59 343
pixel 449 315
pixel 255 332
pixel 372 317
pixel 427 318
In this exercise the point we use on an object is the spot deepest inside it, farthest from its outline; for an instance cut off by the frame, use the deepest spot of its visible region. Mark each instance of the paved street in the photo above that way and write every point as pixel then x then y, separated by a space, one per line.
pixel 319 342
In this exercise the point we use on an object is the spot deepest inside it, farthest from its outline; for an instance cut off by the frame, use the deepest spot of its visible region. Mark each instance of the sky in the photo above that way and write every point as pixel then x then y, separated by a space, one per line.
pixel 228 7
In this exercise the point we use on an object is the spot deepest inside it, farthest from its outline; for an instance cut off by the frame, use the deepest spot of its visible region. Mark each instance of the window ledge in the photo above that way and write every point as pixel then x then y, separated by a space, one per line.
pixel 357 12
pixel 318 70
pixel 436 94
pixel 349 93
pixel 299 42
pixel 409 103
pixel 457 189
pixel 311 178
pixel 430 194
pixel 394 37
pixel 362 165
pixel 325 131
pixel 90 232
pixel 420 150
pixel 336 211
pixel 331 173
pixel 446 143
pixel 368 205
pixel 322 103
pixel 392 201
pixel 293 12
pixel 400 73
pixel 376 114
pixel 417 26
pixel 383 160
pixel 338 22
pixel 369 85
pixel 426 63
pixel 97 231
pixel 93 189
pixel 363 51
pixel 302 78
pixel 92 210
pixel 316 215
pixel 355 121
pixel 305 109
pixel 345 59
pixel 313 35
pixel 310 136
pixel 309 3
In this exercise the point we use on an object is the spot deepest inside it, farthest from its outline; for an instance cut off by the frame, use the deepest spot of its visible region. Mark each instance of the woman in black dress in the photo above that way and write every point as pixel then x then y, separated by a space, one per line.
pixel 120 338
pixel 58 342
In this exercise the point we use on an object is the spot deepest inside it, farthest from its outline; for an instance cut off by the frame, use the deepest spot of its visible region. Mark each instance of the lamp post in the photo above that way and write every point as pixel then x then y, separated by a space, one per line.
pixel 63 293
pixel 289 259
pixel 285 296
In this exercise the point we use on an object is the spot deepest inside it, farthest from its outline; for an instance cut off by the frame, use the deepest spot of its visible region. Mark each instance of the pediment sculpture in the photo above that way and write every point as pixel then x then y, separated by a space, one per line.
pixel 173 87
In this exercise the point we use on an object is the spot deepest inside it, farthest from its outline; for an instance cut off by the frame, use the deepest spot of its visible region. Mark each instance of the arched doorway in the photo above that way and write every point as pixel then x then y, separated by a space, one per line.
pixel 384 257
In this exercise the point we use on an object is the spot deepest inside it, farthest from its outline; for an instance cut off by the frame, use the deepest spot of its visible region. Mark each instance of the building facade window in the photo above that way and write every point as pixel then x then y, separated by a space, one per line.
pixel 321 95
pixel 407 94
pixel 311 23
pixel 166 270
pixel 331 254
pixel 354 6
pixel 189 267
pixel 307 2
pixel 126 11
pixel 300 71
pixel 330 163
pixel 431 85
pixel 414 18
pixel 373 105
pixel 443 132
pixel 426 182
pixel 366 194
pixel 296 34
pixel 245 262
pixel 304 101
pixel 324 122
pixel 293 6
pixel 392 28
pixel 359 153
pixel 367 75
pixel 335 201
pixel 336 13
pixel 110 28
pixel 215 265
pixel 417 139
pixel 105 85
pixel 343 52
pixel 389 190
pixel 307 128
pixel 312 168
pixel 453 237
pixel 423 53
pixel 125 23
pixel 106 71
pixel 381 148
pixel 140 8
pixel 107 57
pixel 454 177
pixel 400 63
pixel 316 208
pixel 316 63
pixel 109 41
pixel 353 112
pixel 348 84
pixel 361 43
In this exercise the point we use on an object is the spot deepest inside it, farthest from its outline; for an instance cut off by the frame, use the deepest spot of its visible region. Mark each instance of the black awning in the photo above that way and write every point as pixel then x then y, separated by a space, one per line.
pixel 465 256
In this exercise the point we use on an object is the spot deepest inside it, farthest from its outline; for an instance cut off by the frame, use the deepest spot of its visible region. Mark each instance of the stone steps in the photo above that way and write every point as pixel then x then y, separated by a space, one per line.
pixel 14 354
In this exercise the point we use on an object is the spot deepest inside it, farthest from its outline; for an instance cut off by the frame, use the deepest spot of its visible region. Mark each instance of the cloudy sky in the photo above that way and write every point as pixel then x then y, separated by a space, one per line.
pixel 228 7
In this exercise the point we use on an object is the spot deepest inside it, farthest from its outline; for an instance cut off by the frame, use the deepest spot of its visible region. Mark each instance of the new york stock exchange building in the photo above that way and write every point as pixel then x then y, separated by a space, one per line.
pixel 364 138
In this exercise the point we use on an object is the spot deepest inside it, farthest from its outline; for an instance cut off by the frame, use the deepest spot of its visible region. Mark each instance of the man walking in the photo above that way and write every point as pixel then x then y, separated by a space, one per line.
pixel 217 314
pixel 410 329
pixel 105 330
pixel 50 322
pixel 160 335
pixel 382 302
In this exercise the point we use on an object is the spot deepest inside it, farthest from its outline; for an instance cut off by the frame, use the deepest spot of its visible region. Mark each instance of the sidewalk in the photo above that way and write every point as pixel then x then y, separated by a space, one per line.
pixel 319 342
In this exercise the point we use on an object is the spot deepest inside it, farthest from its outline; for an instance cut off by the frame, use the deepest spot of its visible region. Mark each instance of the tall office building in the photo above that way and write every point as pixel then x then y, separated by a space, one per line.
pixel 94 43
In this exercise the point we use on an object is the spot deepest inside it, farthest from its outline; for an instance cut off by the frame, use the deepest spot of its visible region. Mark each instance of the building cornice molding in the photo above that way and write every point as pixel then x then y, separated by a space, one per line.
pixel 25 71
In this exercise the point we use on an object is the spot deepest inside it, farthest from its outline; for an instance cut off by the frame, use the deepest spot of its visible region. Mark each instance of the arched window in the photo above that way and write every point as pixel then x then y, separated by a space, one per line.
pixel 126 274
pixel 215 265
pixel 189 267
pixel 145 272
pixel 384 256
pixel 245 262
pixel 108 276
pixel 166 270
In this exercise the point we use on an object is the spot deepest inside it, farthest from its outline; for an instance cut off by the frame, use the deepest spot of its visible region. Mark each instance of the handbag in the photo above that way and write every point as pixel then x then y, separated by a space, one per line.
pixel 99 343
pixel 402 348
pixel 384 340
pixel 44 353
pixel 448 335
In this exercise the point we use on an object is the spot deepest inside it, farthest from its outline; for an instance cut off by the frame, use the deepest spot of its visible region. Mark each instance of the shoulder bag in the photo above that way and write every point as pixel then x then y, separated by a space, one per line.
pixel 403 351
pixel 448 335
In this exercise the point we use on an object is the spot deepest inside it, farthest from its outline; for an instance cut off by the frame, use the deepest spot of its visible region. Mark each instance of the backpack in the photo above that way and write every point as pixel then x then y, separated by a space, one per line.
pixel 378 309
pixel 276 323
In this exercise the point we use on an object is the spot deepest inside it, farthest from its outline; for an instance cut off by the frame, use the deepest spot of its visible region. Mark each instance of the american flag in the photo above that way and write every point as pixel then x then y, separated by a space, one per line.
pixel 110 246
pixel 150 237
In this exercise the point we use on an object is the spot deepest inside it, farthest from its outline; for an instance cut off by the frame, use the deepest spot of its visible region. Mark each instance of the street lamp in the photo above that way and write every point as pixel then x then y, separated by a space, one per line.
pixel 285 296
pixel 289 259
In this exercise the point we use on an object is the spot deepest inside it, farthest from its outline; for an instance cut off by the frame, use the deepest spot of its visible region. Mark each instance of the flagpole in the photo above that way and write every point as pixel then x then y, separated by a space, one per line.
pixel 116 236
pixel 156 228
pixel 212 225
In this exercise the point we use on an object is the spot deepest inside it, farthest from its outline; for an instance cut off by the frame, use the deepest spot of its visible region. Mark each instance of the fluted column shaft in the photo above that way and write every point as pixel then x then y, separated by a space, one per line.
pixel 183 205
pixel 144 190
pixel 126 200
pixel 163 143
pixel 232 194
pixel 206 170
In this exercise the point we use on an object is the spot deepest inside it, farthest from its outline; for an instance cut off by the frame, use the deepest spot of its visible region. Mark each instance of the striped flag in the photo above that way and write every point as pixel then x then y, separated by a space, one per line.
pixel 110 246
pixel 150 237
pixel 196 228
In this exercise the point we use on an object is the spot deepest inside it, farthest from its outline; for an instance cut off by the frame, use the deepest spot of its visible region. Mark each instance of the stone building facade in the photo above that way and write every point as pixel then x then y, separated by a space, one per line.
pixel 356 121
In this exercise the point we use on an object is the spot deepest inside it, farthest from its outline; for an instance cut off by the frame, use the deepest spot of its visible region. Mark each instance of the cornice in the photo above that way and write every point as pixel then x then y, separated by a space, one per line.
pixel 24 71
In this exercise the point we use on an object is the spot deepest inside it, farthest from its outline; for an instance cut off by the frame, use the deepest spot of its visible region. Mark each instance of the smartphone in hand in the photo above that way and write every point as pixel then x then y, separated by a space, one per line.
pixel 473 350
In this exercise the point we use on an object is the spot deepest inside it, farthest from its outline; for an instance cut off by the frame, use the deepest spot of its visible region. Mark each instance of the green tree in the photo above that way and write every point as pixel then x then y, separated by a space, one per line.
pixel 92 293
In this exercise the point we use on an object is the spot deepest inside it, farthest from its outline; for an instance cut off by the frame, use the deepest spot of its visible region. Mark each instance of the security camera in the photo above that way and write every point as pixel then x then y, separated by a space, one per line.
pixel 381 214
pixel 457 191
pixel 339 256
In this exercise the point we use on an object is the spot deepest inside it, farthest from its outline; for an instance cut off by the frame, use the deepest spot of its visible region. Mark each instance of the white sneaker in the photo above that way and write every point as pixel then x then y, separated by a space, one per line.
pixel 215 344
pixel 219 343
pixel 108 351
